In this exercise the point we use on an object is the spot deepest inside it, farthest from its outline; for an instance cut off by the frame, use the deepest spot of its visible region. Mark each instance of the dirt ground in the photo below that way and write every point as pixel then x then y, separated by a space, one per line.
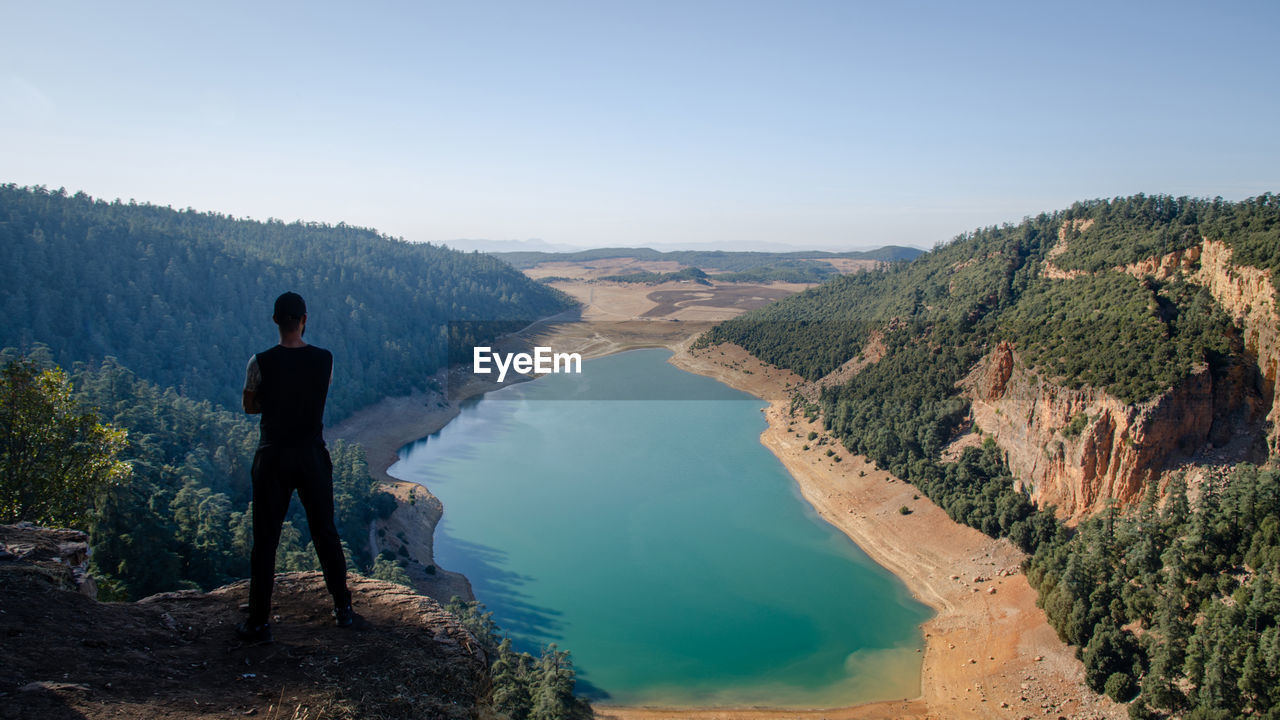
pixel 735 297
pixel 175 655
pixel 671 301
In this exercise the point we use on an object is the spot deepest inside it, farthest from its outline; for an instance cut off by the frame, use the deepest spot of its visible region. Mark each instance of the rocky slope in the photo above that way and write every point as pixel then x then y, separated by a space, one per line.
pixel 174 655
pixel 1078 449
pixel 409 533
pixel 1246 293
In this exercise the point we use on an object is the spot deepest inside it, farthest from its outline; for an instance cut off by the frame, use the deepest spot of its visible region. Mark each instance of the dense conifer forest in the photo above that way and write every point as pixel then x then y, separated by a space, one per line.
pixel 1174 603
pixel 1151 334
pixel 1127 230
pixel 183 298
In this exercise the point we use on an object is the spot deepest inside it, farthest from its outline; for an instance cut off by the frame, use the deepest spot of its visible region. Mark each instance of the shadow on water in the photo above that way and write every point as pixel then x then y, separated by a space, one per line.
pixel 531 627
pixel 584 688
pixel 528 625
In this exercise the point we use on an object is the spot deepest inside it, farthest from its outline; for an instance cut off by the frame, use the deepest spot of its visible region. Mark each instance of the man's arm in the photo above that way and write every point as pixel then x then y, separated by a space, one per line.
pixel 252 379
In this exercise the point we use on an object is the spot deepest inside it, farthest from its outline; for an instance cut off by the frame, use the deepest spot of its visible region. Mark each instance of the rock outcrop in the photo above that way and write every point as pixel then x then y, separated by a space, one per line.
pixel 61 555
pixel 1246 293
pixel 1050 268
pixel 1078 449
pixel 175 655
pixel 409 532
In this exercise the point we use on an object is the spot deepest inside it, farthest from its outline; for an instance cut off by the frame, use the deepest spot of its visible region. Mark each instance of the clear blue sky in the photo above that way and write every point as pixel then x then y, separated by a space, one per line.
pixel 817 124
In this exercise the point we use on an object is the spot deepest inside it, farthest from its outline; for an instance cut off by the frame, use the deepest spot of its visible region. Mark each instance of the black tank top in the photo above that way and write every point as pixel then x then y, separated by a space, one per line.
pixel 295 383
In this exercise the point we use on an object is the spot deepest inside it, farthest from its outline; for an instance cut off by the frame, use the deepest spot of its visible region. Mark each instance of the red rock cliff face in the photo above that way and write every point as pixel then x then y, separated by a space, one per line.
pixel 1078 449
pixel 1247 294
pixel 1111 450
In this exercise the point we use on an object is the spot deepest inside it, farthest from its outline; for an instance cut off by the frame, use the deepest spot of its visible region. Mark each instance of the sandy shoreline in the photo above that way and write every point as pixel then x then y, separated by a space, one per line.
pixel 989 652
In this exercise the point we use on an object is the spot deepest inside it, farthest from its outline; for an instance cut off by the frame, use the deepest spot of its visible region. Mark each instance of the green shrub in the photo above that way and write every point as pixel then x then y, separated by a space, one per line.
pixel 1121 687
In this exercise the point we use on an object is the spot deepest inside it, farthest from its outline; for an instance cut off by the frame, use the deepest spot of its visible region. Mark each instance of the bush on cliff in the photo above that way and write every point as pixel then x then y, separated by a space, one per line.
pixel 54 457
pixel 524 687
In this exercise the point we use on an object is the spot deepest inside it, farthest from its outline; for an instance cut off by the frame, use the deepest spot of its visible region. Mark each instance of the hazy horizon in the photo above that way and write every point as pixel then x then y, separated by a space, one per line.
pixel 807 125
pixel 539 245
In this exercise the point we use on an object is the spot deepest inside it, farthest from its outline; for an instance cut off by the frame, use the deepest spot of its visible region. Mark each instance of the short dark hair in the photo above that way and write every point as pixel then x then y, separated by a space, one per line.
pixel 289 311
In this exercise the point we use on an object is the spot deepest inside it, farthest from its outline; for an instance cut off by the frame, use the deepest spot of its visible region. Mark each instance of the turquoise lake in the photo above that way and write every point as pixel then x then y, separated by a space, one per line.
pixel 661 543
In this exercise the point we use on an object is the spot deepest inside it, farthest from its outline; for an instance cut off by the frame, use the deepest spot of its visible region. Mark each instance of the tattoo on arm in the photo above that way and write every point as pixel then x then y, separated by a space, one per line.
pixel 252 379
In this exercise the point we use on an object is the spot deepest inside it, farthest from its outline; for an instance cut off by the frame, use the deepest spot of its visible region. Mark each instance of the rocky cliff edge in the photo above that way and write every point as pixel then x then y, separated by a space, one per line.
pixel 175 655
pixel 1078 449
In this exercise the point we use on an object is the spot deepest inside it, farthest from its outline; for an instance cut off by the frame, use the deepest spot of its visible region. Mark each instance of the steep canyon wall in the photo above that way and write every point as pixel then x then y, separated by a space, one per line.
pixel 1078 449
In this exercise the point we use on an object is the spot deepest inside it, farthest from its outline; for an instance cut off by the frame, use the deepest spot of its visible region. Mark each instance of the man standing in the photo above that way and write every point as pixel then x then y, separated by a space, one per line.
pixel 288 385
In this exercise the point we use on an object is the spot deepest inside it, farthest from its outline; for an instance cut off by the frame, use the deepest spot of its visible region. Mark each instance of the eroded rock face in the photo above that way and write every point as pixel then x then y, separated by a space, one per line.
pixel 1078 449
pixel 60 554
pixel 1165 266
pixel 1249 296
pixel 998 373
pixel 1246 293
pixel 410 531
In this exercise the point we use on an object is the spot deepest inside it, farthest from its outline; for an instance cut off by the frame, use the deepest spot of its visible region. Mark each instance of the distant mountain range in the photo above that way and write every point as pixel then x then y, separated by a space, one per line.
pixel 725 260
pixel 500 246
pixel 540 245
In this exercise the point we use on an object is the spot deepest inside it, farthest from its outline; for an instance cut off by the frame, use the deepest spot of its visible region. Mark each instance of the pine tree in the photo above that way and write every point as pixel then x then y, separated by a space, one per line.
pixel 511 682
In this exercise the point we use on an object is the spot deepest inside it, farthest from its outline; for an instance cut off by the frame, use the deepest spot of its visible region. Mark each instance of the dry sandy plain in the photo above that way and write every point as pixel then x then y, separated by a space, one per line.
pixel 989 652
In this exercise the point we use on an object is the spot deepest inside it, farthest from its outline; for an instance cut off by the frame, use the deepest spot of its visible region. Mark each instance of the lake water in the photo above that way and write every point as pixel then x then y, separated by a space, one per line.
pixel 661 543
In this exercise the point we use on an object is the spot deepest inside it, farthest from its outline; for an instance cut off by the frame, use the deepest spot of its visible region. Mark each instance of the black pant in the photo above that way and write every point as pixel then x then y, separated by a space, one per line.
pixel 277 472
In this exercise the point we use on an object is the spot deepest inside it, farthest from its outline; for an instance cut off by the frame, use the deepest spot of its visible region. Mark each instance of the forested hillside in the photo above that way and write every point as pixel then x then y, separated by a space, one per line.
pixel 689 274
pixel 1176 597
pixel 178 517
pixel 182 298
pixel 1127 230
pixel 937 315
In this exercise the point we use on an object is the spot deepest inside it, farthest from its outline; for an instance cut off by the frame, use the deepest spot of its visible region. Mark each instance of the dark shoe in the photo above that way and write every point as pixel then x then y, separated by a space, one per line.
pixel 254 633
pixel 344 616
